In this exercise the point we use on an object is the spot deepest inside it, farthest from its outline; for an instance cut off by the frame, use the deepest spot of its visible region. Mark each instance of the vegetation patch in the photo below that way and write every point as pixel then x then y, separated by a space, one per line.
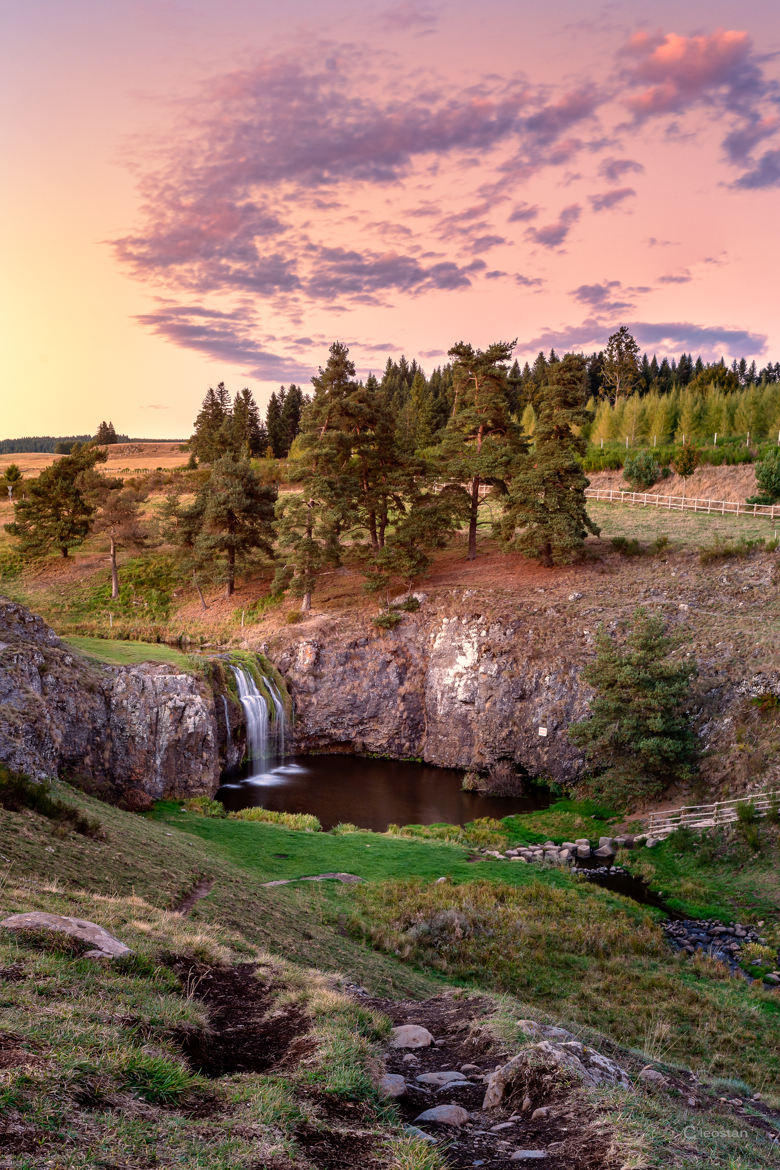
pixel 20 792
pixel 302 822
pixel 118 652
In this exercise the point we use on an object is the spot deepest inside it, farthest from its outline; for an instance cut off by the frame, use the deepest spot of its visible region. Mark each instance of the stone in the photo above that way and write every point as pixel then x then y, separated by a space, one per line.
pixel 419 1133
pixel 772 979
pixel 470 1068
pixel 651 842
pixel 104 945
pixel 566 1061
pixel 544 1031
pixel 607 843
pixel 651 1076
pixel 410 1036
pixel 392 1085
pixel 445 1077
pixel 410 1058
pixel 528 1155
pixel 605 851
pixel 583 851
pixel 540 1113
pixel 454 1115
pixel 502 1125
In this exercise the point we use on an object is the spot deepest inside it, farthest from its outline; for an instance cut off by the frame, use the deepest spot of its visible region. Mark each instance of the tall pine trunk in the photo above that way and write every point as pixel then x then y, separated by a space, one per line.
pixel 473 518
pixel 230 584
pixel 306 603
pixel 114 570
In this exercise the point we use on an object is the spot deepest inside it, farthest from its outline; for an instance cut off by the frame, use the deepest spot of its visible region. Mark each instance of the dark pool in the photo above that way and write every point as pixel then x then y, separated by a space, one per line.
pixel 371 793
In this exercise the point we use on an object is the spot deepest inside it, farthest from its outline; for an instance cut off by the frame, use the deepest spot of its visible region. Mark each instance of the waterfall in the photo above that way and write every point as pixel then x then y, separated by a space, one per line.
pixel 265 720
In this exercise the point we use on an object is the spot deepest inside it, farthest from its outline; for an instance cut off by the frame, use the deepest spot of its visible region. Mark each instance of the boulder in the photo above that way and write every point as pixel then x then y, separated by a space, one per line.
pixel 651 1076
pixel 445 1115
pixel 545 1031
pixel 392 1085
pixel 410 1036
pixel 102 944
pixel 569 1060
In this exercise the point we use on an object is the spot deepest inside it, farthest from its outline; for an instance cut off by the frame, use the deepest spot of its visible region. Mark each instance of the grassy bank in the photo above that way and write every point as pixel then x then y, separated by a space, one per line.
pixel 120 652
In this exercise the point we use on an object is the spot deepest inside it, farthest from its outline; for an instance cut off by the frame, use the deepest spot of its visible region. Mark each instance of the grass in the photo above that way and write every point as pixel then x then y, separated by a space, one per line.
pixel 119 652
pixel 582 957
pixel 692 529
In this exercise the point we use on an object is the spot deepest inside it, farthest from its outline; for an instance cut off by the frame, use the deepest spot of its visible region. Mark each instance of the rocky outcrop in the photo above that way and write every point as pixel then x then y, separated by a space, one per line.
pixel 138 732
pixel 457 691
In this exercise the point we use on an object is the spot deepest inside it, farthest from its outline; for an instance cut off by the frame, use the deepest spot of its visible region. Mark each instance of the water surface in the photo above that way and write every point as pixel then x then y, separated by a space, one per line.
pixel 370 793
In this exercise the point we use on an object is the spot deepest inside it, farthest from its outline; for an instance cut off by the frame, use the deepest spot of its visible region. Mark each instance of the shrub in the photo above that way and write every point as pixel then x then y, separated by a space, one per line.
pixel 627 547
pixel 302 821
pixel 345 827
pixel 768 479
pixel 641 470
pixel 18 792
pixel 388 620
pixel 204 806
pixel 410 604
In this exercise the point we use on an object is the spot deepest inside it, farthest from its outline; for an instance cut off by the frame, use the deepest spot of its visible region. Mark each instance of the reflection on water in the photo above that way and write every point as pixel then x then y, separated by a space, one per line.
pixel 370 793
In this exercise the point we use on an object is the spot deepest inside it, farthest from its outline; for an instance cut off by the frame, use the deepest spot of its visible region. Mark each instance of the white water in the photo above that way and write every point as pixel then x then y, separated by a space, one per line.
pixel 265 728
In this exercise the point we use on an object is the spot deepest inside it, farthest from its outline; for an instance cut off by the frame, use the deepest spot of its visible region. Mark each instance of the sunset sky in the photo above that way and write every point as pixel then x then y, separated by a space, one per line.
pixel 197 191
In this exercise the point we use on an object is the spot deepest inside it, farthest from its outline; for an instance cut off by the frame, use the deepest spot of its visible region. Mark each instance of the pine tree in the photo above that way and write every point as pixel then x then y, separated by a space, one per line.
pixel 56 512
pixel 105 434
pixel 481 444
pixel 248 436
pixel 12 479
pixel 638 738
pixel 212 437
pixel 546 515
pixel 118 516
pixel 290 418
pixel 229 522
pixel 303 545
pixel 620 368
pixel 427 524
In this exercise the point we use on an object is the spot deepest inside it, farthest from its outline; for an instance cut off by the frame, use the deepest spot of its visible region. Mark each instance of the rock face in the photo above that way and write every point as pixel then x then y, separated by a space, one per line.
pixel 103 944
pixel 458 691
pixel 142 732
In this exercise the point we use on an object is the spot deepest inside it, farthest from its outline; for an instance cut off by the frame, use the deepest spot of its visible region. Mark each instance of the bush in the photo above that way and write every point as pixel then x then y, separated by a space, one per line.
pixel 301 821
pixel 19 792
pixel 627 547
pixel 768 479
pixel 641 470
pixel 204 806
pixel 388 620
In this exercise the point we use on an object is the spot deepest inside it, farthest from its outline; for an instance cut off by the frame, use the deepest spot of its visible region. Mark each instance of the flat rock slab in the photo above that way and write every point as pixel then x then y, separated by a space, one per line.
pixel 101 942
pixel 445 1115
pixel 410 1036
pixel 348 879
pixel 445 1077
pixel 528 1155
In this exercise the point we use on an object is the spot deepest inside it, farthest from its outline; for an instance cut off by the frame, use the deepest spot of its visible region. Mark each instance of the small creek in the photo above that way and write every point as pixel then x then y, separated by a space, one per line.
pixel 370 793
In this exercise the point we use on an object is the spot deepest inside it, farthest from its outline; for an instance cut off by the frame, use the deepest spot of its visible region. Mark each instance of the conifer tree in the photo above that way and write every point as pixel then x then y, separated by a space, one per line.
pixel 12 479
pixel 481 444
pixel 638 738
pixel 620 368
pixel 303 545
pixel 230 520
pixel 248 436
pixel 546 515
pixel 212 437
pixel 105 434
pixel 56 512
pixel 118 516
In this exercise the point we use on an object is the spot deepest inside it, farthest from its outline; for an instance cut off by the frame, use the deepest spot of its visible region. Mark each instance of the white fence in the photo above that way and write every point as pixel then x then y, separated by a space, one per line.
pixel 709 816
pixel 684 503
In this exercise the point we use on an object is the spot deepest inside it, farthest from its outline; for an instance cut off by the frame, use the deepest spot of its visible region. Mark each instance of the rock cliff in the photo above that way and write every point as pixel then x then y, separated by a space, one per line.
pixel 137 732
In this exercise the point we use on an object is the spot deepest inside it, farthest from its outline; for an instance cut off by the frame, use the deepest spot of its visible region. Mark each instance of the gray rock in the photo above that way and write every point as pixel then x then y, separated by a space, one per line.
pixel 104 945
pixel 445 1115
pixel 583 851
pixel 392 1085
pixel 410 1036
pixel 605 851
pixel 566 1060
pixel 528 1155
pixel 419 1133
pixel 607 842
pixel 540 1113
pixel 545 1031
pixel 651 1076
pixel 445 1077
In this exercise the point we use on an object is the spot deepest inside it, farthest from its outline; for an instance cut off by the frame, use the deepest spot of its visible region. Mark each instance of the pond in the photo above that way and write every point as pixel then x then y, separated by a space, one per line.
pixel 370 793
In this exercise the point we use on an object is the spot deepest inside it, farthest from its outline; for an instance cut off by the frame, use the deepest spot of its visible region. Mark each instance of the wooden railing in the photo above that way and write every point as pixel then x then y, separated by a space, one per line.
pixel 709 816
pixel 684 503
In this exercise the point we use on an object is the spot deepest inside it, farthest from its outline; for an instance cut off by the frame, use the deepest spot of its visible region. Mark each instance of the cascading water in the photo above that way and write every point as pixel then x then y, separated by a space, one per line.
pixel 227 717
pixel 265 722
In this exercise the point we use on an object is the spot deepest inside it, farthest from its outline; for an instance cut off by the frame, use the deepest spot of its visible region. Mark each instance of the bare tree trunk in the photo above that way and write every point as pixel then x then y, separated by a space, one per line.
pixel 306 603
pixel 230 584
pixel 473 519
pixel 114 571
pixel 200 591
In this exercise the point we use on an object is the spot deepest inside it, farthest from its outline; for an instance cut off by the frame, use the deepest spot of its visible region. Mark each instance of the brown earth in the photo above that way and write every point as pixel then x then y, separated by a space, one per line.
pixel 706 483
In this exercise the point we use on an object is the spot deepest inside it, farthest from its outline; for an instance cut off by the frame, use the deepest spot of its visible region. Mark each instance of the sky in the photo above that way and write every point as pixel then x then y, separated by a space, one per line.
pixel 198 191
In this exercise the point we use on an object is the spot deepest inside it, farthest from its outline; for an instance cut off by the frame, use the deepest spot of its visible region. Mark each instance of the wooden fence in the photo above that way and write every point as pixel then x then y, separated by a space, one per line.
pixel 684 503
pixel 709 816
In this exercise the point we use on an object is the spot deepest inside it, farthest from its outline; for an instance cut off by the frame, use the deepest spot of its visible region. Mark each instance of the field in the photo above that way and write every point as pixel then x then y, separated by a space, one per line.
pixel 123 458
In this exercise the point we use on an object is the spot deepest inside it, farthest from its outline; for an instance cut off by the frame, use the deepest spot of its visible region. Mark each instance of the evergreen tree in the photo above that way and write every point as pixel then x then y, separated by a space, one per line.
pixel 427 524
pixel 481 445
pixel 12 479
pixel 230 520
pixel 105 434
pixel 56 512
pixel 768 479
pixel 303 545
pixel 248 436
pixel 118 516
pixel 638 738
pixel 620 370
pixel 290 418
pixel 273 422
pixel 212 437
pixel 546 516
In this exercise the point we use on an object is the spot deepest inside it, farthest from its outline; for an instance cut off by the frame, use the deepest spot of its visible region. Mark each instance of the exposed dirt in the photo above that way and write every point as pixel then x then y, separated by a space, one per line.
pixel 198 891
pixel 248 1032
pixel 706 483
pixel 569 1133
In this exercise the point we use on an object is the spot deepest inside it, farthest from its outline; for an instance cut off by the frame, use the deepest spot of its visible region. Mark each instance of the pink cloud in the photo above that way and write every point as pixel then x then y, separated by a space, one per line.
pixel 681 70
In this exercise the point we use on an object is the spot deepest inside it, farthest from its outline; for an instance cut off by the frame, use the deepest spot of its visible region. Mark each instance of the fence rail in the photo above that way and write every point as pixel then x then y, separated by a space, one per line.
pixel 709 816
pixel 684 503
